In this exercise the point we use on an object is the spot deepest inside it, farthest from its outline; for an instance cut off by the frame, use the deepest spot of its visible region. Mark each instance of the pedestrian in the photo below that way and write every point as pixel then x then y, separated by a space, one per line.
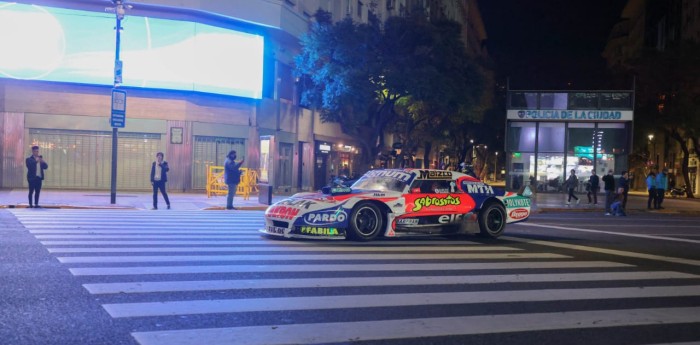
pixel 624 188
pixel 35 175
pixel 594 186
pixel 661 186
pixel 617 207
pixel 609 185
pixel 159 176
pixel 571 184
pixel 232 176
pixel 651 188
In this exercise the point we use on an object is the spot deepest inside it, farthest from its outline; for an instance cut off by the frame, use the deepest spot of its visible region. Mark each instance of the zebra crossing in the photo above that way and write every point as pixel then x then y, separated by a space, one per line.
pixel 208 277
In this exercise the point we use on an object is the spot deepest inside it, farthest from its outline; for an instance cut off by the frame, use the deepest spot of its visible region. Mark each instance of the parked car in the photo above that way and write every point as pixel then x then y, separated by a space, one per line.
pixel 395 202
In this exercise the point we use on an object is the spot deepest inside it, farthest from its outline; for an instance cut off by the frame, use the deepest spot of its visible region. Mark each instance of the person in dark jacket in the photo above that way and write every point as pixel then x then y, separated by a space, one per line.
pixel 571 184
pixel 594 186
pixel 35 175
pixel 159 176
pixel 661 187
pixel 609 185
pixel 624 188
pixel 232 176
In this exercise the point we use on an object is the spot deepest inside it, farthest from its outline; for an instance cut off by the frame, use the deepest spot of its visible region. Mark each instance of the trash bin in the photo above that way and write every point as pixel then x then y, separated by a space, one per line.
pixel 265 194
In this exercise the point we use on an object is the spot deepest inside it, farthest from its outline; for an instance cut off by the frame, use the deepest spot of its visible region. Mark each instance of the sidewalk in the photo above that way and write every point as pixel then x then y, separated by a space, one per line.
pixel 56 198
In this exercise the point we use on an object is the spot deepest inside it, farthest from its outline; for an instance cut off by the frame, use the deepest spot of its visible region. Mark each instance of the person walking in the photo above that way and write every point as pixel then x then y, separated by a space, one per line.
pixel 651 188
pixel 159 176
pixel 35 175
pixel 624 188
pixel 571 184
pixel 232 176
pixel 594 186
pixel 609 186
pixel 661 186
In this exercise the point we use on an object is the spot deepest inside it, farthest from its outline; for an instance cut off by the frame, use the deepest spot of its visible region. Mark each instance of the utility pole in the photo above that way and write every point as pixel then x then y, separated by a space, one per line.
pixel 118 116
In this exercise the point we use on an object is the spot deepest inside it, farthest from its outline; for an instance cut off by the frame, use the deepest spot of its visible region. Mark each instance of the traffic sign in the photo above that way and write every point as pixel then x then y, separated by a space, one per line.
pixel 118 118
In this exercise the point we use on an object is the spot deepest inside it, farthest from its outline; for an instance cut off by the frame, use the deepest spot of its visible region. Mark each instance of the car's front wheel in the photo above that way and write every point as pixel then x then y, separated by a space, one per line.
pixel 366 221
pixel 492 220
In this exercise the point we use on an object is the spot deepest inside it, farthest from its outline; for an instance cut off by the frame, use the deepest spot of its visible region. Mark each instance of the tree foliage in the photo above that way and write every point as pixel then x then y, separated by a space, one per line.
pixel 407 75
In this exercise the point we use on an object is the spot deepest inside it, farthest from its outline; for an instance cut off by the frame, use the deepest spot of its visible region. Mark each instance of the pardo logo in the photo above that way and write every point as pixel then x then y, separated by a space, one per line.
pixel 282 212
pixel 326 218
pixel 519 213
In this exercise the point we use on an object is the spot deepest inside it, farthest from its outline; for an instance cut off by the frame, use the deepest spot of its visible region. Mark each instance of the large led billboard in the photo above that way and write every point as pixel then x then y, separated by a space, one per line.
pixel 53 44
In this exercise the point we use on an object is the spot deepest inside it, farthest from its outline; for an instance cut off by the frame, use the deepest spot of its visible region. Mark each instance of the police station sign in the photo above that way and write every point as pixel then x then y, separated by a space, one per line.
pixel 571 115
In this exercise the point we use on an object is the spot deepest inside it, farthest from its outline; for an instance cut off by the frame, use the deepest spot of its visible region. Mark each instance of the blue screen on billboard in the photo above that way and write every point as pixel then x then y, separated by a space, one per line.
pixel 52 44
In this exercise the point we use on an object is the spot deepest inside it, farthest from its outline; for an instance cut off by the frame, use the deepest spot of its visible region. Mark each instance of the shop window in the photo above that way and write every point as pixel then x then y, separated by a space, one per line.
pixel 521 136
pixel 580 149
pixel 611 142
pixel 212 151
pixel 583 100
pixel 616 100
pixel 550 172
pixel 553 100
pixel 523 100
pixel 521 170
pixel 551 137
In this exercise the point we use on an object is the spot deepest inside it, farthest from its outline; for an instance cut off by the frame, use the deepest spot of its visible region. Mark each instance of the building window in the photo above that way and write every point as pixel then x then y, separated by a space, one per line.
pixel 359 9
pixel 615 100
pixel 553 100
pixel 521 136
pixel 583 100
pixel 523 100
pixel 551 137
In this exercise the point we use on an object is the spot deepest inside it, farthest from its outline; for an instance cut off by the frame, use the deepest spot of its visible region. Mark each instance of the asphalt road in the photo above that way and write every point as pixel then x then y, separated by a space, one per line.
pixel 208 277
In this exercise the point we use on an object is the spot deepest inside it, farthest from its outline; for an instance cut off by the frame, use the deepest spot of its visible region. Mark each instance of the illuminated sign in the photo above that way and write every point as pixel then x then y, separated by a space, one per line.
pixel 324 148
pixel 574 115
pixel 55 44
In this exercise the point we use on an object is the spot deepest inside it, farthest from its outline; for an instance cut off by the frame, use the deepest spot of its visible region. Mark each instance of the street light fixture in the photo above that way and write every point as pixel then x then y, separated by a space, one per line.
pixel 495 166
pixel 651 138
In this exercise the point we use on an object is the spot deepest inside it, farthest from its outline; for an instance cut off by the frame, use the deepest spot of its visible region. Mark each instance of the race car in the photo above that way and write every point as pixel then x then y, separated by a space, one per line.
pixel 396 202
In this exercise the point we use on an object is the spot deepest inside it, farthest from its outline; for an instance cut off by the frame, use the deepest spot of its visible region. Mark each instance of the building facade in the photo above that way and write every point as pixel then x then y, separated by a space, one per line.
pixel 47 99
pixel 550 133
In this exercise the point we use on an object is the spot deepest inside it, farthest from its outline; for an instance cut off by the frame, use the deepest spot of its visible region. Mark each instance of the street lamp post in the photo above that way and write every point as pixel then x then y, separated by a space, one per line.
pixel 119 10
pixel 495 166
pixel 651 138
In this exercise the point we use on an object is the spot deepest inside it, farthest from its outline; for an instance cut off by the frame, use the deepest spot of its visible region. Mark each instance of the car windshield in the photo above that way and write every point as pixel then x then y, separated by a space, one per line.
pixel 382 183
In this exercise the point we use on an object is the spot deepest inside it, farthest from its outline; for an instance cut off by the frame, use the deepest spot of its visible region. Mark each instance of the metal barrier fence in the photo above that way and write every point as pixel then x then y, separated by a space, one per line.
pixel 216 184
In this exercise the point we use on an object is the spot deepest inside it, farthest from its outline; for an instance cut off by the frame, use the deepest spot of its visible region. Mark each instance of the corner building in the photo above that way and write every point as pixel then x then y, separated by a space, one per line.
pixel 202 77
pixel 549 133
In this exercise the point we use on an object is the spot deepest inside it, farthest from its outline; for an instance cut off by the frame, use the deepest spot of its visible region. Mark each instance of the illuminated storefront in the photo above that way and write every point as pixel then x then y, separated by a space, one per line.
pixel 549 133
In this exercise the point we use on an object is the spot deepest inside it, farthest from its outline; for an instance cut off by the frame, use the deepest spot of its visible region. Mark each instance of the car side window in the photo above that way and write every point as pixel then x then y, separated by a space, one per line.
pixel 434 187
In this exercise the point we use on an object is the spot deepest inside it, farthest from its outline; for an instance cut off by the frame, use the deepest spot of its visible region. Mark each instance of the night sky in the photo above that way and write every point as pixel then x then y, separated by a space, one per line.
pixel 547 44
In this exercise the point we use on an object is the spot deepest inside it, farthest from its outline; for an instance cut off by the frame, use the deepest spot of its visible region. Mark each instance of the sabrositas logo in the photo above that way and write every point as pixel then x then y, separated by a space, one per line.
pixel 429 201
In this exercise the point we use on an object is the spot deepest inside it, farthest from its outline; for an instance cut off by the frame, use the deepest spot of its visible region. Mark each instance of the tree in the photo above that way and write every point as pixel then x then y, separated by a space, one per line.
pixel 408 72
pixel 668 96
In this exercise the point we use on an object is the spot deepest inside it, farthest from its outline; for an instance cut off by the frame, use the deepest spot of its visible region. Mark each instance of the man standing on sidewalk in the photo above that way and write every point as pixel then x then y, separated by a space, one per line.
pixel 594 183
pixel 609 181
pixel 232 176
pixel 661 186
pixel 35 175
pixel 624 188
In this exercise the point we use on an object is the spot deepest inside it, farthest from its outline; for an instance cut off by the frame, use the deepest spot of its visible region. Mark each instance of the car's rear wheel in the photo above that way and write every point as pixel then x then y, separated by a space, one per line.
pixel 492 220
pixel 366 222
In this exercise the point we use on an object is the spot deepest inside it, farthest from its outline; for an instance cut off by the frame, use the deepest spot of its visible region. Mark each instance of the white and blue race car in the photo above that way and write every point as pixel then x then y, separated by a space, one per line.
pixel 395 202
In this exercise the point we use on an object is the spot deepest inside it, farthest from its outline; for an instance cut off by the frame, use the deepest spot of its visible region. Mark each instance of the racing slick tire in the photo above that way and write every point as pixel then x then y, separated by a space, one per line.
pixel 492 220
pixel 366 222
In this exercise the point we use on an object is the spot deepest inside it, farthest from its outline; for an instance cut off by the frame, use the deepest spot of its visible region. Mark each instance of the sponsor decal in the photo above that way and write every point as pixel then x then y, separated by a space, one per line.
pixel 341 190
pixel 282 212
pixel 312 230
pixel 434 175
pixel 450 218
pixel 399 175
pixel 275 230
pixel 517 202
pixel 300 203
pixel 478 188
pixel 379 195
pixel 519 213
pixel 442 190
pixel 429 201
pixel 407 221
pixel 324 218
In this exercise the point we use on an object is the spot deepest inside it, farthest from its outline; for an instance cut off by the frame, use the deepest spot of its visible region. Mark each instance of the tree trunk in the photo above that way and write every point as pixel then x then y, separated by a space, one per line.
pixel 684 164
pixel 426 154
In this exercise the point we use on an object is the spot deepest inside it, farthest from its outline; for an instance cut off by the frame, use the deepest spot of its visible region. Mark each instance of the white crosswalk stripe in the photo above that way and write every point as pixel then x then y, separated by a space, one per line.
pixel 215 265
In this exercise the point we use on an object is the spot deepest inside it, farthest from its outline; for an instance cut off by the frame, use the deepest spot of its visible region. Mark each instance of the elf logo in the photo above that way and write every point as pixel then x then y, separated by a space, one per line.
pixel 519 213
pixel 450 218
